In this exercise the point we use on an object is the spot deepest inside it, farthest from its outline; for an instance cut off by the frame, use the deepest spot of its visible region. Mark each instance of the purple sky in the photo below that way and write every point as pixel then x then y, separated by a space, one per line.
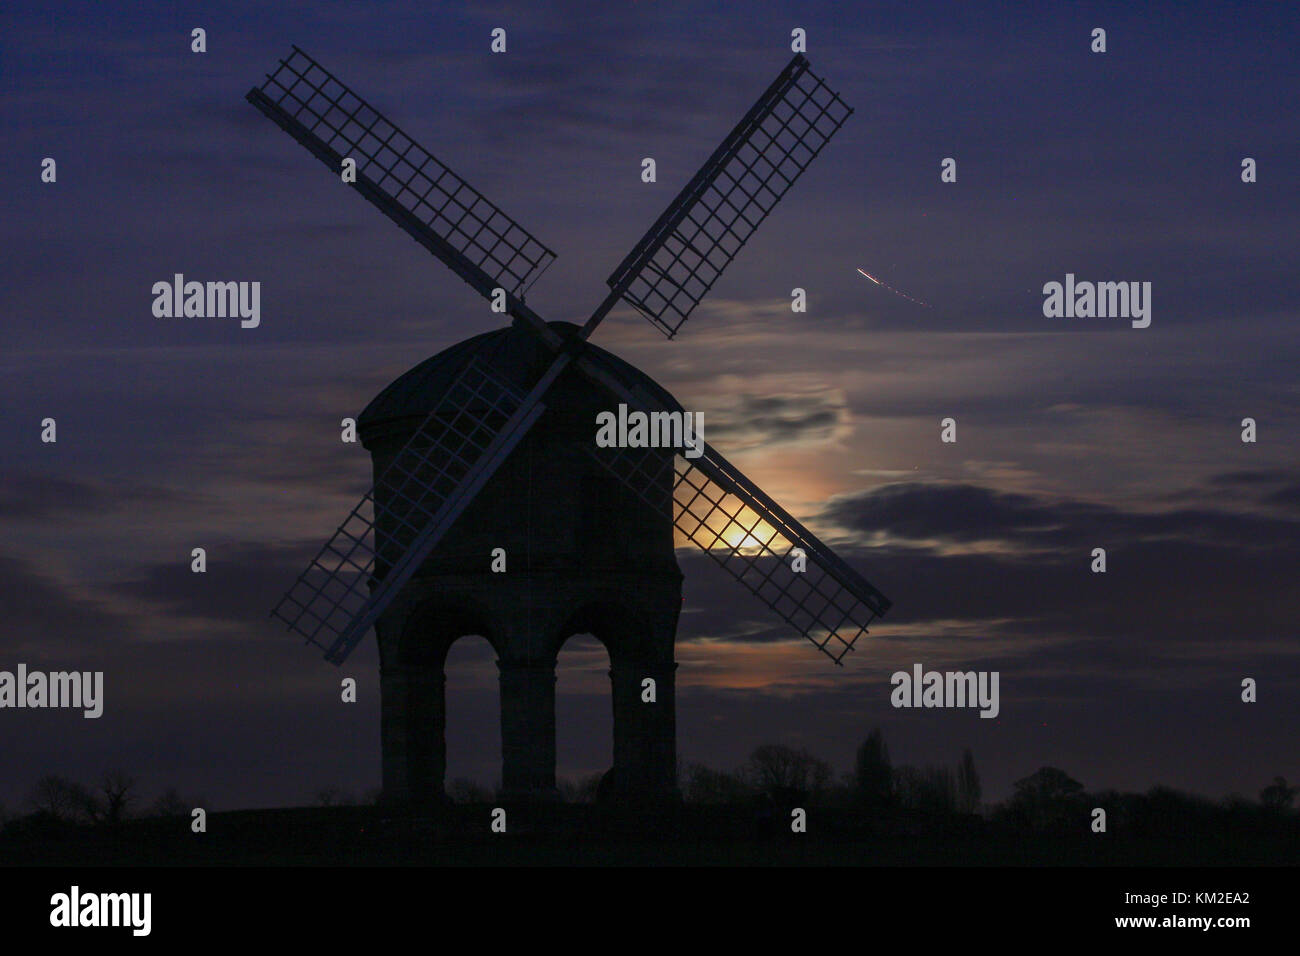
pixel 1072 433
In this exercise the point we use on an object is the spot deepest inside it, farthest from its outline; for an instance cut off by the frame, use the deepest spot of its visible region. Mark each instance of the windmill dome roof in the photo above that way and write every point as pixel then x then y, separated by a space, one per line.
pixel 515 351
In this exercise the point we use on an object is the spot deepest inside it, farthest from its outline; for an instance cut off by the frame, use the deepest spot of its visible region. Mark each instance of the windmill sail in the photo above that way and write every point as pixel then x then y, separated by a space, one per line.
pixel 441 211
pixel 476 424
pixel 755 540
pixel 482 417
pixel 399 521
pixel 676 263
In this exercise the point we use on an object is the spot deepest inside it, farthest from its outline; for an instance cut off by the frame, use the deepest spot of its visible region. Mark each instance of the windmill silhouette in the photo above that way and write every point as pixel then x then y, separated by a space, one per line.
pixel 490 445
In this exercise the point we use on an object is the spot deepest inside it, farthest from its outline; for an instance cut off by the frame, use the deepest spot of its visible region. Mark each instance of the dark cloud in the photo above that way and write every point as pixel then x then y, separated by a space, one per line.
pixel 47 619
pixel 32 496
pixel 1169 603
pixel 240 586
pixel 1190 597
pixel 1274 487
pixel 752 421
pixel 957 512
pixel 1251 478
pixel 716 607
pixel 1285 497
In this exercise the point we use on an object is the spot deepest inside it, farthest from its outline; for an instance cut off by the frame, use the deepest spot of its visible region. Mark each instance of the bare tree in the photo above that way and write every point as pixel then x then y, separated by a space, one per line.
pixel 787 773
pixel 1046 784
pixel 1047 799
pixel 1277 795
pixel 63 799
pixel 119 795
pixel 928 789
pixel 702 784
pixel 170 804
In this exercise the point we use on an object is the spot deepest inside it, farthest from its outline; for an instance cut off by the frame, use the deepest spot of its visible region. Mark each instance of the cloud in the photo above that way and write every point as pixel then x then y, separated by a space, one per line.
pixel 45 619
pixel 1250 478
pixel 958 512
pixel 240 586
pixel 753 421
pixel 1272 488
pixel 1191 598
pixel 32 496
pixel 1287 496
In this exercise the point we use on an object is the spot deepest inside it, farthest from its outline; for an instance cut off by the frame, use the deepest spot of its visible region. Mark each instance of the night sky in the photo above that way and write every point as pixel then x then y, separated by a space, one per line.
pixel 1072 433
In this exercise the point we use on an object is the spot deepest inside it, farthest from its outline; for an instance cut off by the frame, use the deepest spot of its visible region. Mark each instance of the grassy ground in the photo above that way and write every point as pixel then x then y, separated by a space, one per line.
pixel 585 835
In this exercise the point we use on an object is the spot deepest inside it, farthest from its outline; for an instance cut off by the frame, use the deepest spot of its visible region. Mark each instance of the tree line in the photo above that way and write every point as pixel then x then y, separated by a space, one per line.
pixel 773 775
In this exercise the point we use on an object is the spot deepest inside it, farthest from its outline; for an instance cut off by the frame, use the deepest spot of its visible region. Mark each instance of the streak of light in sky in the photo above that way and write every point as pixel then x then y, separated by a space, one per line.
pixel 885 285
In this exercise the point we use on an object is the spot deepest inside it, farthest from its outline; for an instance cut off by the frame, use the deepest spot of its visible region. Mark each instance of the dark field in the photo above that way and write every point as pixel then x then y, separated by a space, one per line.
pixel 562 835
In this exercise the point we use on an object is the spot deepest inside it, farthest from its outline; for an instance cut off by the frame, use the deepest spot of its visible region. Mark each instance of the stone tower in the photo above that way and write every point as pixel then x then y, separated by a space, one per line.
pixel 583 555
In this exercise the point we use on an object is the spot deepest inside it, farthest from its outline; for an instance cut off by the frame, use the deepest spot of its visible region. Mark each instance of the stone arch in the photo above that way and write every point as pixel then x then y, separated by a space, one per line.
pixel 639 639
pixel 472 720
pixel 597 618
pixel 625 627
pixel 583 705
pixel 413 691
pixel 438 622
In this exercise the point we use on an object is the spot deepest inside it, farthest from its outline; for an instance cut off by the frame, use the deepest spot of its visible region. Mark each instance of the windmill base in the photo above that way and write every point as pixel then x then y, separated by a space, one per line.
pixel 634 616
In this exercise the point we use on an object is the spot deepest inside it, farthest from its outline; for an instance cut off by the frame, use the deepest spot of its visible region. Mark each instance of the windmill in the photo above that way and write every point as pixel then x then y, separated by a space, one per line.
pixel 486 411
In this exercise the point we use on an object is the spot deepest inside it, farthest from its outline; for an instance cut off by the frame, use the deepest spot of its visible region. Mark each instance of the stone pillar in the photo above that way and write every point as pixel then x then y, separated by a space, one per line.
pixel 645 734
pixel 413 719
pixel 528 729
